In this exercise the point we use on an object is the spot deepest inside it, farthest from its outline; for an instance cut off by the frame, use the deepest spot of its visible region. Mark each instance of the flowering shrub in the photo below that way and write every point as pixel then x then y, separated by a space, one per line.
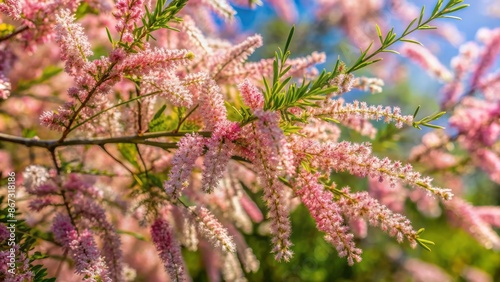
pixel 167 126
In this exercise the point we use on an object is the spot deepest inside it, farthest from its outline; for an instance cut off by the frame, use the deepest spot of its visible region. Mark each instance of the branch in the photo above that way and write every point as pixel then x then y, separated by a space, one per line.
pixel 14 33
pixel 135 139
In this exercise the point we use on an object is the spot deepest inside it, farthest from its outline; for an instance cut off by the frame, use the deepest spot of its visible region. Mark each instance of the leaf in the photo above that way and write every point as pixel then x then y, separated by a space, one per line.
pixel 129 152
pixel 379 32
pixel 412 41
pixel 131 233
pixel 289 39
pixel 110 38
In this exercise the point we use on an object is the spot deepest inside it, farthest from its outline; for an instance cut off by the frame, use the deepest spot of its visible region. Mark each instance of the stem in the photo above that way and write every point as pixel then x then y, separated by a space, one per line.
pixel 184 119
pixel 14 33
pixel 112 107
pixel 92 91
pixel 135 139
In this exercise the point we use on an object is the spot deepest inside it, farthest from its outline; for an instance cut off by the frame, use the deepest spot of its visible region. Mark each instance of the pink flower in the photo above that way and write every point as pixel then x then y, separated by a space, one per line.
pixel 426 60
pixel 82 249
pixel 489 214
pixel 170 87
pixel 464 215
pixel 420 271
pixel 341 111
pixel 169 249
pixel 212 105
pixel 128 13
pixel 226 61
pixel 190 148
pixel 75 47
pixel 285 9
pixel 220 149
pixel 360 204
pixel 212 229
pixel 488 54
pixel 252 96
pixel 327 215
pixel 151 60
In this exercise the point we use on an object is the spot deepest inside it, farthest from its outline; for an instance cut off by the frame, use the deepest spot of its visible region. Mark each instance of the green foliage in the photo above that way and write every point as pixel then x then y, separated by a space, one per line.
pixel 160 122
pixel 26 238
pixel 129 152
pixel 6 29
pixel 439 11
pixel 277 97
pixel 425 121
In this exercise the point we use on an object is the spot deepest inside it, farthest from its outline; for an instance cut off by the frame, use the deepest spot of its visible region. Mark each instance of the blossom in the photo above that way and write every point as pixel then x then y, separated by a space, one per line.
pixel 426 60
pixel 358 160
pixel 128 13
pixel 34 176
pixel 75 47
pixel 194 37
pixel 156 59
pixel 169 249
pixel 211 103
pixel 464 216
pixel 488 54
pixel 338 109
pixel 490 214
pixel 360 204
pixel 221 7
pixel 327 215
pixel 425 272
pixel 82 248
pixel 13 8
pixel 220 149
pixel 374 85
pixel 234 56
pixel 190 148
pixel 251 95
pixel 212 229
pixel 170 87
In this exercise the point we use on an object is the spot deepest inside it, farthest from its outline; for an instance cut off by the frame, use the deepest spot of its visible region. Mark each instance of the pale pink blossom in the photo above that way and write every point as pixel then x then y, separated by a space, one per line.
pixel 490 214
pixel 231 268
pixel 372 84
pixel 224 62
pixel 491 38
pixel 391 197
pixel 339 110
pixel 252 96
pixel 426 60
pixel 360 204
pixel 358 160
pixel 190 148
pixel 170 87
pixel 193 37
pixel 220 149
pixel 157 59
pixel 212 229
pixel 464 215
pixel 75 48
pixel 211 104
pixel 420 271
pixel 128 13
